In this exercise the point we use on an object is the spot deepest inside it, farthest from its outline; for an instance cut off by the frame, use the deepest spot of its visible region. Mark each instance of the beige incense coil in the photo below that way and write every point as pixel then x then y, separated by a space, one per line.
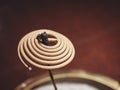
pixel 57 55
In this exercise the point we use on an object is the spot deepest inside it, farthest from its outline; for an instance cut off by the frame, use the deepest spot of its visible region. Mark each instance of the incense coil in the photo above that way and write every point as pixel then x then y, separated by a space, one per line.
pixel 42 56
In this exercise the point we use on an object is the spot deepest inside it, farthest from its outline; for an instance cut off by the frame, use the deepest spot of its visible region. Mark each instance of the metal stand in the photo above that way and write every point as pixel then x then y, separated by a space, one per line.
pixel 44 39
pixel 52 79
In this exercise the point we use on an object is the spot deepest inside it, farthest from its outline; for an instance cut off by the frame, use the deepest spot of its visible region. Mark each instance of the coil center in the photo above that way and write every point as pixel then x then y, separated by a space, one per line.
pixel 52 40
pixel 47 39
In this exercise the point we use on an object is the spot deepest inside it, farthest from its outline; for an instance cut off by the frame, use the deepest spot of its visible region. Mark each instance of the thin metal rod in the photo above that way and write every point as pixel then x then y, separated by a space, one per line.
pixel 52 79
pixel 45 41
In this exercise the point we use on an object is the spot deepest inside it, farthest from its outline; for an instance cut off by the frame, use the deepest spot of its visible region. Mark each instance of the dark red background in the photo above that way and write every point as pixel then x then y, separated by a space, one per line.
pixel 93 27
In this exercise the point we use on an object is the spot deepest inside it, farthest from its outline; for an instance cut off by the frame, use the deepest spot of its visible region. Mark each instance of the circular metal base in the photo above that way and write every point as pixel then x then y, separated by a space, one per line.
pixel 72 77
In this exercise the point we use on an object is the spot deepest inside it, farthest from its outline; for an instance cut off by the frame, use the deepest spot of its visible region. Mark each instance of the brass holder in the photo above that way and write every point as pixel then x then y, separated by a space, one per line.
pixel 78 75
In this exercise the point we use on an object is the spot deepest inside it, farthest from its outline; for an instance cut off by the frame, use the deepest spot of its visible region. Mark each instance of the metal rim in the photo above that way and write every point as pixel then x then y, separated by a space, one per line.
pixel 38 80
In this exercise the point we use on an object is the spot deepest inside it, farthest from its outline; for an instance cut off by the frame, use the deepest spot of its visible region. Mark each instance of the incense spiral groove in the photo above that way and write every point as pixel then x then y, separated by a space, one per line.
pixel 35 53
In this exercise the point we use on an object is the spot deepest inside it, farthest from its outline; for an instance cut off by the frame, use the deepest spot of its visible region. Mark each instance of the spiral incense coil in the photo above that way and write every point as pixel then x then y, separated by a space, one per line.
pixel 60 53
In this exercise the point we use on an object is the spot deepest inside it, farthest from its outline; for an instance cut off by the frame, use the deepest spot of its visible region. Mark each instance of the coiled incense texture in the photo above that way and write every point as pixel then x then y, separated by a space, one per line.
pixel 60 53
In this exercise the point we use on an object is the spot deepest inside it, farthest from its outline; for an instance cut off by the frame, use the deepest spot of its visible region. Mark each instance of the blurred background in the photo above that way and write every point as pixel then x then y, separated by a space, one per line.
pixel 92 26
